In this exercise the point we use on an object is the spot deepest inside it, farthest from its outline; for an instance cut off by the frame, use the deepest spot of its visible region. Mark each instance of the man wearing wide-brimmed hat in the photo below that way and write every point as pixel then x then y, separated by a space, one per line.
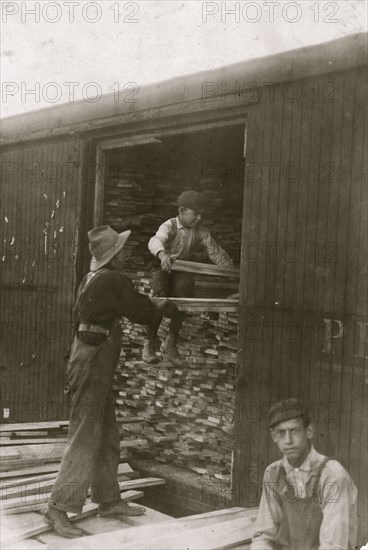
pixel 180 238
pixel 91 460
pixel 308 501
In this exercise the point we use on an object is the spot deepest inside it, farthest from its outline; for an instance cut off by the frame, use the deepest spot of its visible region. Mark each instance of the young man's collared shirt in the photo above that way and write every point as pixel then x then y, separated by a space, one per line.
pixel 339 504
pixel 182 241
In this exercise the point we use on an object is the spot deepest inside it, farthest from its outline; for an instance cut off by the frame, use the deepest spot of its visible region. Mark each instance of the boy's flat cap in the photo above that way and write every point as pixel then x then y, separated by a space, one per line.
pixel 193 200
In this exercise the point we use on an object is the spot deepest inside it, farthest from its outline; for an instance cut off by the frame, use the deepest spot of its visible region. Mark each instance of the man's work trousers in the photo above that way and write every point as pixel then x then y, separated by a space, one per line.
pixel 176 284
pixel 91 459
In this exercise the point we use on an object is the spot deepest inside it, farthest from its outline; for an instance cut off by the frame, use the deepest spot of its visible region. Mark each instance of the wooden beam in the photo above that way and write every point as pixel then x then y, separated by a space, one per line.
pixel 8 505
pixel 28 486
pixel 100 186
pixel 30 441
pixel 16 475
pixel 32 470
pixel 205 269
pixel 124 142
pixel 29 455
pixel 33 426
pixel 196 305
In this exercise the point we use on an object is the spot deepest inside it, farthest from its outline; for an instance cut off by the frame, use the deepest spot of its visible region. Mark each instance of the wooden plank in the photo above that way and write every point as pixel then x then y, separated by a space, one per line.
pixel 29 544
pixel 171 526
pixel 206 269
pixel 24 481
pixel 40 526
pixel 34 433
pixel 27 486
pixel 15 523
pixel 33 453
pixel 99 186
pixel 141 483
pixel 33 457
pixel 216 537
pixel 124 468
pixel 45 491
pixel 206 302
pixel 53 467
pixel 133 495
pixel 247 352
pixel 148 518
pixel 9 454
pixel 29 441
pixel 92 525
pixel 200 531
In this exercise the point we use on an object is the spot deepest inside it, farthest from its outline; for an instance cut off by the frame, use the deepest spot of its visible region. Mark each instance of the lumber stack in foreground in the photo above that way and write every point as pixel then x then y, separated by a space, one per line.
pixel 211 531
pixel 28 472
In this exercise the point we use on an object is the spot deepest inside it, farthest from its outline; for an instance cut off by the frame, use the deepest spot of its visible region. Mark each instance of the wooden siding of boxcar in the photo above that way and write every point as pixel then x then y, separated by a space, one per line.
pixel 304 260
pixel 39 222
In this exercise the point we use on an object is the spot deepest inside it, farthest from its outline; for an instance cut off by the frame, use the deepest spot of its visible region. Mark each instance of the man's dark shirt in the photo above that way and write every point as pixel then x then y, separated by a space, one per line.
pixel 111 295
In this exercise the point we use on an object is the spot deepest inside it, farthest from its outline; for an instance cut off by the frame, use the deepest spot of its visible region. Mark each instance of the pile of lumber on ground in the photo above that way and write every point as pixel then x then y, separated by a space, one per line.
pixel 28 472
pixel 184 414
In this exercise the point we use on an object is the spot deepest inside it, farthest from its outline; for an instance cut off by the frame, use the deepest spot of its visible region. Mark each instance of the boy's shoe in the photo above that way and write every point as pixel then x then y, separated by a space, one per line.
pixel 170 351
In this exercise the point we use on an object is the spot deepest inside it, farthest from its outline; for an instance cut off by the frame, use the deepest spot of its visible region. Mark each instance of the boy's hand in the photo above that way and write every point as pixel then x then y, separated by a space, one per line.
pixel 165 260
pixel 165 305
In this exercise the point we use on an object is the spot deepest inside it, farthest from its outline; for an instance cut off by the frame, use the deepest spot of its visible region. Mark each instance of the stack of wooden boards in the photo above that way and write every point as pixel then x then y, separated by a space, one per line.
pixel 182 415
pixel 141 195
pixel 209 282
pixel 28 471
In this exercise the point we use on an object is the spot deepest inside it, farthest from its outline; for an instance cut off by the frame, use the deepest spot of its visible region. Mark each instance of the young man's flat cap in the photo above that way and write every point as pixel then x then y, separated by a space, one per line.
pixel 288 409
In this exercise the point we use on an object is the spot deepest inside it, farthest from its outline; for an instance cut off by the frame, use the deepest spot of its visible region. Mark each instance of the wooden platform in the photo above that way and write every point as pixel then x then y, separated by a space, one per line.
pixel 231 528
pixel 28 530
pixel 28 473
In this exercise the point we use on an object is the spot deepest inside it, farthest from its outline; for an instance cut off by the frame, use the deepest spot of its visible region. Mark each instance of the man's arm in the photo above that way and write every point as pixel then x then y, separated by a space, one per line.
pixel 216 254
pixel 339 508
pixel 137 307
pixel 268 521
pixel 158 244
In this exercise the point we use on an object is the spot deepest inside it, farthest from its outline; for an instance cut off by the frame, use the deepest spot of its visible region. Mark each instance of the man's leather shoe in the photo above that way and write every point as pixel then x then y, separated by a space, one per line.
pixel 120 508
pixel 60 523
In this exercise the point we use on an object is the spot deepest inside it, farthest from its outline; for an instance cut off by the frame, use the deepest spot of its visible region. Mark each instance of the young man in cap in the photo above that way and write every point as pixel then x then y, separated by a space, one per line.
pixel 308 500
pixel 91 460
pixel 179 238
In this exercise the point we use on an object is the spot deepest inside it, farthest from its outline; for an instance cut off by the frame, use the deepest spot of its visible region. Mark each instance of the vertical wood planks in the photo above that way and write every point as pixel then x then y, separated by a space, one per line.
pixel 37 277
pixel 324 214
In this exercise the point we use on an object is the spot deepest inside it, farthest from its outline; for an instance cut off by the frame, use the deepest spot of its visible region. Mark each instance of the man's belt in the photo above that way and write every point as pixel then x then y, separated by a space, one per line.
pixel 93 328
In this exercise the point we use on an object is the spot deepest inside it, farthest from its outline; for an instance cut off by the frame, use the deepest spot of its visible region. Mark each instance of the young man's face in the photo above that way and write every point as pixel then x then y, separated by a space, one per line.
pixel 293 440
pixel 189 218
